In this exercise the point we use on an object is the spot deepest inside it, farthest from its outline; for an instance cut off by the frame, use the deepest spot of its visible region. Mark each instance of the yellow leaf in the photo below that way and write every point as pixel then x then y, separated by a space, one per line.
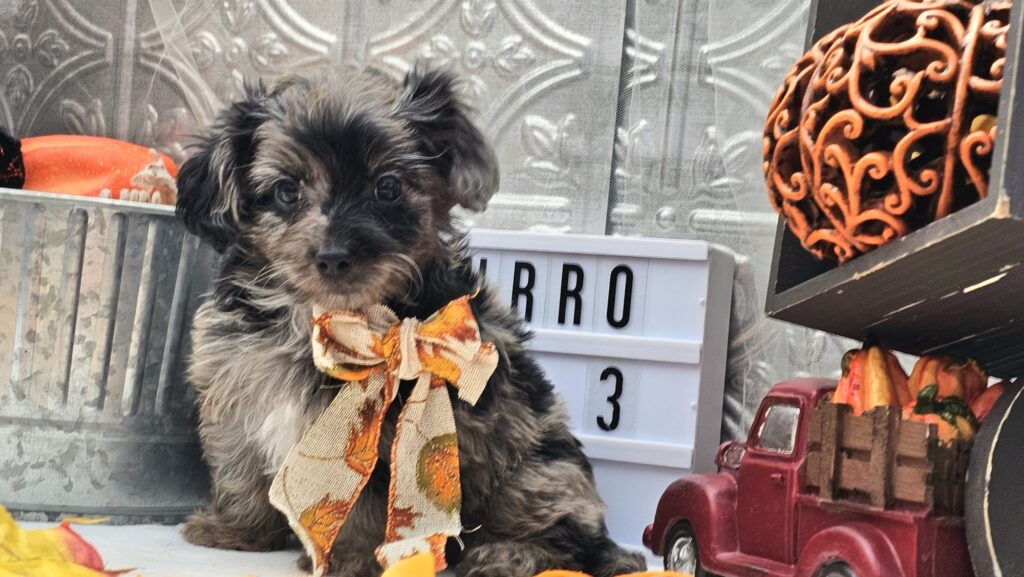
pixel 56 552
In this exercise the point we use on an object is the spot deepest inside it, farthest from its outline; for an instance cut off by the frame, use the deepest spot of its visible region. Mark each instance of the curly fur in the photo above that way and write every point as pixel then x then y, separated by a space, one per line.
pixel 529 499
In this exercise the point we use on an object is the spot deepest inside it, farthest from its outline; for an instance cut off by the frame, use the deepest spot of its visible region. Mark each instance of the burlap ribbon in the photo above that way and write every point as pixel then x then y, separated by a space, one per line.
pixel 325 472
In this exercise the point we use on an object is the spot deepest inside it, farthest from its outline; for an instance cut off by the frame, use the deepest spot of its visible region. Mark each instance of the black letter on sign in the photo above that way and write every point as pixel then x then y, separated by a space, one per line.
pixel 613 295
pixel 482 269
pixel 573 293
pixel 521 289
pixel 613 399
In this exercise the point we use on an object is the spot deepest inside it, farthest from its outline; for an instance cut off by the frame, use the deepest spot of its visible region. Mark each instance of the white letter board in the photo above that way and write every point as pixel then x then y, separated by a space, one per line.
pixel 633 333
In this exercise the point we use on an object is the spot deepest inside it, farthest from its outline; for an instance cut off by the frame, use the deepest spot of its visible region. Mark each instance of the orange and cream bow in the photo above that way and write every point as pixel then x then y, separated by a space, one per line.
pixel 325 472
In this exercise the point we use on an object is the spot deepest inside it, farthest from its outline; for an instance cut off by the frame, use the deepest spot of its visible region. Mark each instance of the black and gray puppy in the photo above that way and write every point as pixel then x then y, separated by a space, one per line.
pixel 336 192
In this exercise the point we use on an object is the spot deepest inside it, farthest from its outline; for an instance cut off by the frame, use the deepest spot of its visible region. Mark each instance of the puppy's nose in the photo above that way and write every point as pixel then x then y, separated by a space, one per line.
pixel 331 262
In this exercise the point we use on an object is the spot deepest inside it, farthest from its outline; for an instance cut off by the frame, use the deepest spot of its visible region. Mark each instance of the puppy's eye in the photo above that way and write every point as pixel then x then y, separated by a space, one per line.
pixel 389 189
pixel 286 192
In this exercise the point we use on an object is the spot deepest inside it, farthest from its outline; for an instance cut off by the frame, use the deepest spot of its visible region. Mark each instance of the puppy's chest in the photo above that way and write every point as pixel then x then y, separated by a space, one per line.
pixel 277 397
pixel 280 430
pixel 283 426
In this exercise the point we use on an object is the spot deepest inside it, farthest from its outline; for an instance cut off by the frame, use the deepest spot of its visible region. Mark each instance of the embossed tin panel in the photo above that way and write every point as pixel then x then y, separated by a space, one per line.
pixel 57 65
pixel 188 59
pixel 96 299
pixel 698 78
pixel 543 76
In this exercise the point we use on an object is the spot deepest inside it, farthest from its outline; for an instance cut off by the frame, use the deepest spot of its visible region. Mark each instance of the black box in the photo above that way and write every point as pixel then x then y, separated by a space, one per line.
pixel 953 287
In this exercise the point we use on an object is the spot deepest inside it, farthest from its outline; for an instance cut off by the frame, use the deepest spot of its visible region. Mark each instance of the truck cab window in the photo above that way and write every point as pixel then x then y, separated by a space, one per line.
pixel 778 430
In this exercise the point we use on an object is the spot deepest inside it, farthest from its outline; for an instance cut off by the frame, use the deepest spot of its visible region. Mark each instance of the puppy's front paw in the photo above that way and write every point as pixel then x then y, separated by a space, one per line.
pixel 207 529
pixel 509 559
pixel 345 565
pixel 617 561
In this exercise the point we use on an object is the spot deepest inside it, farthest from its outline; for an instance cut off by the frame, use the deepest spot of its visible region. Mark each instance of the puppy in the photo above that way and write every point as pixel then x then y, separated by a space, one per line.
pixel 337 192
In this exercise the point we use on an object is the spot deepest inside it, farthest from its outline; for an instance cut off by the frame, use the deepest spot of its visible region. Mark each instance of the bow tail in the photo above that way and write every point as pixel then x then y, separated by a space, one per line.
pixel 425 494
pixel 321 478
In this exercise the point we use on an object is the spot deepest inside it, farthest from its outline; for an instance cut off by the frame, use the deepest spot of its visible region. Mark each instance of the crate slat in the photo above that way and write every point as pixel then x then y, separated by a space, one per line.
pixel 910 484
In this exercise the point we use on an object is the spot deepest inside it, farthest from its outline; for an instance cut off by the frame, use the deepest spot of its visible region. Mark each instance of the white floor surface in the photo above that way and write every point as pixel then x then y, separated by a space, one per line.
pixel 159 551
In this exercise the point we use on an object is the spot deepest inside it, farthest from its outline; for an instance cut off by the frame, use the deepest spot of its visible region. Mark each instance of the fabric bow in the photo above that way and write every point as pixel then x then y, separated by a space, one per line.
pixel 325 472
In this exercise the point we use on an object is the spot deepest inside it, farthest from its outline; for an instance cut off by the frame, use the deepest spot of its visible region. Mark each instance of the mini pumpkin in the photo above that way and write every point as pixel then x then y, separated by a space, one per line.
pixel 953 378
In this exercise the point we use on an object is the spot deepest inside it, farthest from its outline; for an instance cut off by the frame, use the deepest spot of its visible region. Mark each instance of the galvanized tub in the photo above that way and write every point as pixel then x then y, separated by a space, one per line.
pixel 96 302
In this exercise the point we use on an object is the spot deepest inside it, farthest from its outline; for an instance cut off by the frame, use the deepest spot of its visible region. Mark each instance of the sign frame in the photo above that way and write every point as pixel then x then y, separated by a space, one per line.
pixel 709 353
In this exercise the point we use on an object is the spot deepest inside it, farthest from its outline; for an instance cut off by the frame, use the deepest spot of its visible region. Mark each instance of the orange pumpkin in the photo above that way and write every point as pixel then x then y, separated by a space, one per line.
pixel 872 377
pixel 982 404
pixel 963 379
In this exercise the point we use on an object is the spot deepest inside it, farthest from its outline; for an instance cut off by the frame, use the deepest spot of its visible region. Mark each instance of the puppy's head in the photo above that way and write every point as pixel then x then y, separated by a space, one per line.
pixel 340 186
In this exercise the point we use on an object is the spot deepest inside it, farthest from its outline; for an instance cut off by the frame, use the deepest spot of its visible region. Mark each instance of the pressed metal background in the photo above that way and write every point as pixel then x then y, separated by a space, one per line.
pixel 625 117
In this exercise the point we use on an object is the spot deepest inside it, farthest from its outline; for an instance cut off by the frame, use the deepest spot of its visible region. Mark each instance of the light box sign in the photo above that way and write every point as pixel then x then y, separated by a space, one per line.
pixel 633 334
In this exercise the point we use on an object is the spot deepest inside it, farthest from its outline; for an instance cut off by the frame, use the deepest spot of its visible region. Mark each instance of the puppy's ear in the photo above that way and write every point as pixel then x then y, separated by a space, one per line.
pixel 209 183
pixel 429 104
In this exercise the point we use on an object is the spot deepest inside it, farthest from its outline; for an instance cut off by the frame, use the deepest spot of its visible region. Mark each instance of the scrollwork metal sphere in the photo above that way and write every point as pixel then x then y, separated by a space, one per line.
pixel 887 124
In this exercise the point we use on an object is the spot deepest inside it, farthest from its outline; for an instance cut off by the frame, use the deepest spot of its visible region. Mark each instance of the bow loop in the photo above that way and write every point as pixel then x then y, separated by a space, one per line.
pixel 447 345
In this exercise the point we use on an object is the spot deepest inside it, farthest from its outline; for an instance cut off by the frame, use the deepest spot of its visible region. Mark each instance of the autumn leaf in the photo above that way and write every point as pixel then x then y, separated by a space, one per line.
pixel 361 449
pixel 324 520
pixel 400 518
pixel 440 366
pixel 437 548
pixel 454 321
pixel 53 551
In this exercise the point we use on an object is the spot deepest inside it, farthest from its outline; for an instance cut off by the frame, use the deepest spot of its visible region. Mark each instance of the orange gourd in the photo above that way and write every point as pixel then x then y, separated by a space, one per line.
pixel 97 166
pixel 872 377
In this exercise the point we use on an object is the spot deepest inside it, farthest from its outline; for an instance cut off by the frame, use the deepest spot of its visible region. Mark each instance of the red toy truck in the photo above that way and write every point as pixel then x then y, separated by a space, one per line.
pixel 817 492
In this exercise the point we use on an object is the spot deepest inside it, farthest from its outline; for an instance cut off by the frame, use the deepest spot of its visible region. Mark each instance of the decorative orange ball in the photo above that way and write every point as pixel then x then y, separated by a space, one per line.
pixel 887 124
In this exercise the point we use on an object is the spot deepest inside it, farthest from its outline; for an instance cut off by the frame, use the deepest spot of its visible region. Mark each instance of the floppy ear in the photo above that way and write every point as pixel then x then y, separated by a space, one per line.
pixel 430 106
pixel 209 196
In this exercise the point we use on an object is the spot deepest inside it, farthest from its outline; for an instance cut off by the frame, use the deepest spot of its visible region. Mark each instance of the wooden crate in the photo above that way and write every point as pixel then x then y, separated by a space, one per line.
pixel 954 286
pixel 884 461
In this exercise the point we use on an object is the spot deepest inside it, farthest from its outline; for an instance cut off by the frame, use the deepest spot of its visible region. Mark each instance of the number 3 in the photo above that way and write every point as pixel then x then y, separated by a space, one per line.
pixel 613 399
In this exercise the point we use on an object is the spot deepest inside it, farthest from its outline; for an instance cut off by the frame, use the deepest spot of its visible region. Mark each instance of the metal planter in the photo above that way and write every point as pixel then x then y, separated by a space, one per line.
pixel 96 301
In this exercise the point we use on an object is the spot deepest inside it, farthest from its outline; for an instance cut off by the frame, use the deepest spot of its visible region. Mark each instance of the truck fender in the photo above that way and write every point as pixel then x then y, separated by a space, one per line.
pixel 708 504
pixel 866 549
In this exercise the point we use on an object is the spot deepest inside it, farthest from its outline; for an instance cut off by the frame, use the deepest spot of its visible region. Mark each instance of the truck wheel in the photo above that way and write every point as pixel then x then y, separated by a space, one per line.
pixel 681 553
pixel 835 569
